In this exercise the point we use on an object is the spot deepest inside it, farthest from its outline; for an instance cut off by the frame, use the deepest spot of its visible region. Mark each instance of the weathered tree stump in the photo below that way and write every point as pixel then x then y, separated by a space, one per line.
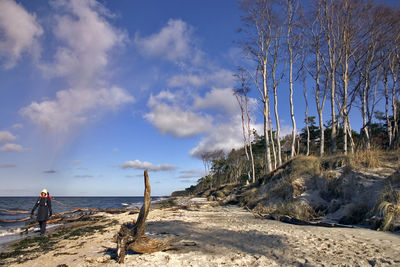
pixel 132 236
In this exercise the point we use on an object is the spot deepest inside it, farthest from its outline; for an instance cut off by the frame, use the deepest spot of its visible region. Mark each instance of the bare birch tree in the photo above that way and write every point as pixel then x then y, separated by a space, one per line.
pixel 241 95
pixel 394 66
pixel 306 114
pixel 275 83
pixel 315 37
pixel 331 32
pixel 291 6
pixel 394 70
pixel 257 22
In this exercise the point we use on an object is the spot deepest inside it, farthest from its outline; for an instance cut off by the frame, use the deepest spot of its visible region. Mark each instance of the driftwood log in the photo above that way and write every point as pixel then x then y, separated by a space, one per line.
pixel 132 236
pixel 291 220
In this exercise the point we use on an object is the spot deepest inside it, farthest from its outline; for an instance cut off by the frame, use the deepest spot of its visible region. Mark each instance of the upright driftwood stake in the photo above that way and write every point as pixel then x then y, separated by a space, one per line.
pixel 129 234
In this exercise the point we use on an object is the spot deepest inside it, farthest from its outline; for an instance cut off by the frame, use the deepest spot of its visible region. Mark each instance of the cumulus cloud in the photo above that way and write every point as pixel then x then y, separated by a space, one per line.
pixel 173 42
pixel 219 99
pixel 10 147
pixel 6 136
pixel 8 165
pixel 74 107
pixel 137 164
pixel 172 114
pixel 172 119
pixel 19 32
pixel 224 136
pixel 86 40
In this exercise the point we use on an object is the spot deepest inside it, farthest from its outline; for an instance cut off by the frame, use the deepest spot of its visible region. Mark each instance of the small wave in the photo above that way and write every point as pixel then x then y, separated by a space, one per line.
pixel 10 231
pixel 160 199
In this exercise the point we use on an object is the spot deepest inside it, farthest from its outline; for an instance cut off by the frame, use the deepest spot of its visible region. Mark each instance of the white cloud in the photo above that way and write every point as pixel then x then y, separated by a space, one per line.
pixel 74 107
pixel 175 115
pixel 18 33
pixel 87 39
pixel 174 120
pixel 173 42
pixel 225 136
pixel 11 147
pixel 286 130
pixel 136 164
pixel 218 99
pixel 211 77
pixel 6 136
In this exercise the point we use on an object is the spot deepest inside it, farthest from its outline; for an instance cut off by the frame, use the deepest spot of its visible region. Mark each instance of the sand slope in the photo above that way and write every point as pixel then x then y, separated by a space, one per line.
pixel 231 236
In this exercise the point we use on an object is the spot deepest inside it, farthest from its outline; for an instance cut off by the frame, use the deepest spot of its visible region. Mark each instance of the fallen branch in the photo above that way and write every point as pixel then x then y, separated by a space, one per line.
pixel 15 211
pixel 291 220
pixel 287 219
pixel 15 220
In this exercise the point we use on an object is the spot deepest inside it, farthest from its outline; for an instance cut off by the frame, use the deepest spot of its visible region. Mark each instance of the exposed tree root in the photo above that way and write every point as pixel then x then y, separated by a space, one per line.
pixel 132 237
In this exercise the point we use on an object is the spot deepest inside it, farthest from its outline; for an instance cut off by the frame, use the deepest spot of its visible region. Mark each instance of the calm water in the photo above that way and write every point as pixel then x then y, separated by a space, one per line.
pixel 10 230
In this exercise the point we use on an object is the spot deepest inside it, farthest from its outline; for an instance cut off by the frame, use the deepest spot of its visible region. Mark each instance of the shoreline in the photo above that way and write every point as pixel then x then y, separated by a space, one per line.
pixel 210 235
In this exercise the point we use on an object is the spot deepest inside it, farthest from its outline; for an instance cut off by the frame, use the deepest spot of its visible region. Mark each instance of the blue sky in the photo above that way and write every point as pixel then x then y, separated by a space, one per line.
pixel 92 93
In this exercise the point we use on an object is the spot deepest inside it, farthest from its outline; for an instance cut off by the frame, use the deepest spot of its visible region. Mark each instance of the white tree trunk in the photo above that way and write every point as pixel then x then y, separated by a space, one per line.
pixel 290 50
pixel 271 136
pixel 266 116
pixel 388 122
pixel 249 134
pixel 364 114
pixel 306 116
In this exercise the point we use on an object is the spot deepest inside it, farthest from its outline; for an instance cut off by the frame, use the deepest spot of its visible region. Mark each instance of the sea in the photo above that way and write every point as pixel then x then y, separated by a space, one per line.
pixel 12 231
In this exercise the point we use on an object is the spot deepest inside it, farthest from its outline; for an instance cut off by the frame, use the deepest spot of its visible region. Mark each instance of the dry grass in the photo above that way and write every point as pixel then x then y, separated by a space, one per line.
pixel 283 190
pixel 389 208
pixel 248 198
pixel 366 158
pixel 303 165
pixel 300 210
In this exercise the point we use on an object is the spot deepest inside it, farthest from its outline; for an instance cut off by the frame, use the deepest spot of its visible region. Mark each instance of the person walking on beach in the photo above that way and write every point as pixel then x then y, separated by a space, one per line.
pixel 44 211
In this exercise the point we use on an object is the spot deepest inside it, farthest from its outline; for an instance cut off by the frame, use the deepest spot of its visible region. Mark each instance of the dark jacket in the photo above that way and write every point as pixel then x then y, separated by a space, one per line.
pixel 44 211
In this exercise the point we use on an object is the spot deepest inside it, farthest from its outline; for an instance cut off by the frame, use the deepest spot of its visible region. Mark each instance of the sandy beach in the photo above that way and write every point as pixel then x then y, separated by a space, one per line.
pixel 207 235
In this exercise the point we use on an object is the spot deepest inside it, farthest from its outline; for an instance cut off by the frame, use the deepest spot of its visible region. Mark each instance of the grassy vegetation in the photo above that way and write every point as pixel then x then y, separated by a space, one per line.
pixel 388 208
